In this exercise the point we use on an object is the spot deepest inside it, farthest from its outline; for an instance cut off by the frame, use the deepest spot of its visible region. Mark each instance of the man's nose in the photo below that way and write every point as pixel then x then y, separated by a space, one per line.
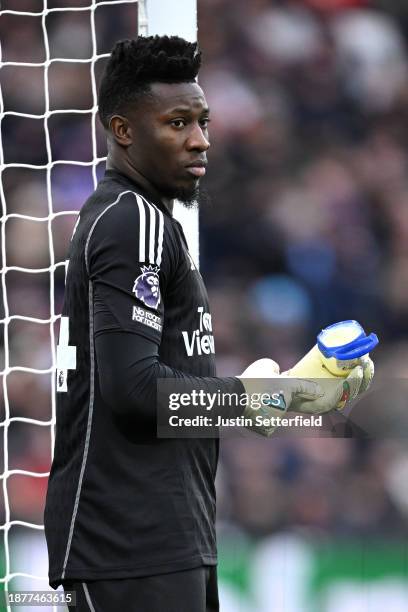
pixel 197 141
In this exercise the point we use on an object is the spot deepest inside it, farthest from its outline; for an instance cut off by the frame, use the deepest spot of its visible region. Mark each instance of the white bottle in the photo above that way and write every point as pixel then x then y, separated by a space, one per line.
pixel 339 349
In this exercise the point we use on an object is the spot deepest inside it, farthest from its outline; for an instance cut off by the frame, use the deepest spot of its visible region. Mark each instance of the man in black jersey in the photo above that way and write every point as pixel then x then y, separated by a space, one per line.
pixel 130 517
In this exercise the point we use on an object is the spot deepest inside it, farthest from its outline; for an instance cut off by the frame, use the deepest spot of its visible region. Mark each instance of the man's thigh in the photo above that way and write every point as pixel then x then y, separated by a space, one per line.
pixel 192 590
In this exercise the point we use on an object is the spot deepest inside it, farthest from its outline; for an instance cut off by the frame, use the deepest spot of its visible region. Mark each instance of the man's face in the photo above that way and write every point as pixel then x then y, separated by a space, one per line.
pixel 170 138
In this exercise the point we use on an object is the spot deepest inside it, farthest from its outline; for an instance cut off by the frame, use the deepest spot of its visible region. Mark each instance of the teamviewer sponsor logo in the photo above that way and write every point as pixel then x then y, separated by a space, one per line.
pixel 201 340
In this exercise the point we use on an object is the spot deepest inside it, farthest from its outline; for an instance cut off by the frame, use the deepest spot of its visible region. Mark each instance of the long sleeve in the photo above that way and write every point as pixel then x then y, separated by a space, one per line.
pixel 129 370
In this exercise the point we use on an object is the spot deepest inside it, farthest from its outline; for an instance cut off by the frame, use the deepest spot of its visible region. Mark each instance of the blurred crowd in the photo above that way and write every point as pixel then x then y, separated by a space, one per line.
pixel 303 222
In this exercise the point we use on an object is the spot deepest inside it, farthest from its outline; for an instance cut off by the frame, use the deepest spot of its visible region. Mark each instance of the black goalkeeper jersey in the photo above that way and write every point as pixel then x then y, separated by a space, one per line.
pixel 121 502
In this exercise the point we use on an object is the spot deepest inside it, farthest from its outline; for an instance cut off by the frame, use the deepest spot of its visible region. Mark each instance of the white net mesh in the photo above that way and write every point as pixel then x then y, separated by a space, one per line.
pixel 18 17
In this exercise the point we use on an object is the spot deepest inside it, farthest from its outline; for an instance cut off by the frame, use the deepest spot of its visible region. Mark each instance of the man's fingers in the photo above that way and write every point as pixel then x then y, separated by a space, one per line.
pixel 355 379
pixel 307 389
pixel 368 372
pixel 261 368
pixel 350 387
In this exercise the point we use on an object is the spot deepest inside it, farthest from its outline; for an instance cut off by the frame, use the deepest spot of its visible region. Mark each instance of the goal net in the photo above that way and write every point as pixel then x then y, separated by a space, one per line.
pixel 52 153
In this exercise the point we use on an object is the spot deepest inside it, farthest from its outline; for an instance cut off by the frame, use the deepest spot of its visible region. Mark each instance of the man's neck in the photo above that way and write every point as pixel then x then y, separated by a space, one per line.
pixel 123 166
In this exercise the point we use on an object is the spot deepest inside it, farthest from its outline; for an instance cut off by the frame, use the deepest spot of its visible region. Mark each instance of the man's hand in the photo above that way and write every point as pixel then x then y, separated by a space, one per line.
pixel 337 392
pixel 307 396
pixel 262 378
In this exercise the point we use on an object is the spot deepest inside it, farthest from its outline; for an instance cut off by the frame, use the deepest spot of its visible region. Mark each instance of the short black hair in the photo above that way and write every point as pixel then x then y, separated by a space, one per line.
pixel 135 64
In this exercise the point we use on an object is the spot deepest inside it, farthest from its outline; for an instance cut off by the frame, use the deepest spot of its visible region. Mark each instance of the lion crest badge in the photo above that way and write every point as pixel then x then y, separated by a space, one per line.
pixel 146 286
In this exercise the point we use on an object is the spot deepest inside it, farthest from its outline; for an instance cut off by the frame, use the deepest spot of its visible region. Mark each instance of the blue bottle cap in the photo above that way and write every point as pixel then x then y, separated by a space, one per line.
pixel 359 346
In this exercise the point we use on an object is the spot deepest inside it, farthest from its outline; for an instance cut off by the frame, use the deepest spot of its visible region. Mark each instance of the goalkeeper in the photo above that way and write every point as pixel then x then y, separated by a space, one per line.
pixel 130 517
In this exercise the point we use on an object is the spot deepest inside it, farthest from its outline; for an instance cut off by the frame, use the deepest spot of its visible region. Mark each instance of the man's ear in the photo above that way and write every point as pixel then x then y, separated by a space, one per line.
pixel 121 130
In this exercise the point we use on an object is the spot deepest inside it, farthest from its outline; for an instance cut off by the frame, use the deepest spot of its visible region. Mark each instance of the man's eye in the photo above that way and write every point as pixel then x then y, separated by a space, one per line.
pixel 204 122
pixel 178 123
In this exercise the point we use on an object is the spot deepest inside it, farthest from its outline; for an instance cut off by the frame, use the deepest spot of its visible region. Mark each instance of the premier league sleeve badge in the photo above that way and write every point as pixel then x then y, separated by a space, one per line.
pixel 147 287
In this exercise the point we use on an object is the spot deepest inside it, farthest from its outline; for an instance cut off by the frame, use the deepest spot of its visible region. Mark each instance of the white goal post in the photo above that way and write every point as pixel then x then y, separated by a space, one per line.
pixel 159 17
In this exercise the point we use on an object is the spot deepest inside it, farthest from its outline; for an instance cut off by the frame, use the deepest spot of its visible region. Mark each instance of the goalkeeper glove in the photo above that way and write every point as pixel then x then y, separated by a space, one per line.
pixel 337 392
pixel 310 367
pixel 262 378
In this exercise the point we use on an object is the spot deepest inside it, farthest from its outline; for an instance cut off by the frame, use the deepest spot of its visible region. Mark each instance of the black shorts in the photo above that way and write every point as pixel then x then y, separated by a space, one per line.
pixel 193 590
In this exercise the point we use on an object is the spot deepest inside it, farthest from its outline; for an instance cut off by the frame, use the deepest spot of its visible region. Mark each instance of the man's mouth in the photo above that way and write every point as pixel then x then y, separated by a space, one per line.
pixel 197 168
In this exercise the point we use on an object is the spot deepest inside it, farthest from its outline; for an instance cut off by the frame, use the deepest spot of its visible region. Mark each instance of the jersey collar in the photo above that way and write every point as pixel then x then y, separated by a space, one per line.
pixel 134 186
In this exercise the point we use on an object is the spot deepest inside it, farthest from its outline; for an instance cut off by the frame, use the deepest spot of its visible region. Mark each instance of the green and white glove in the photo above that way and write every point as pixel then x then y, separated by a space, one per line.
pixel 275 393
pixel 337 392
pixel 281 393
